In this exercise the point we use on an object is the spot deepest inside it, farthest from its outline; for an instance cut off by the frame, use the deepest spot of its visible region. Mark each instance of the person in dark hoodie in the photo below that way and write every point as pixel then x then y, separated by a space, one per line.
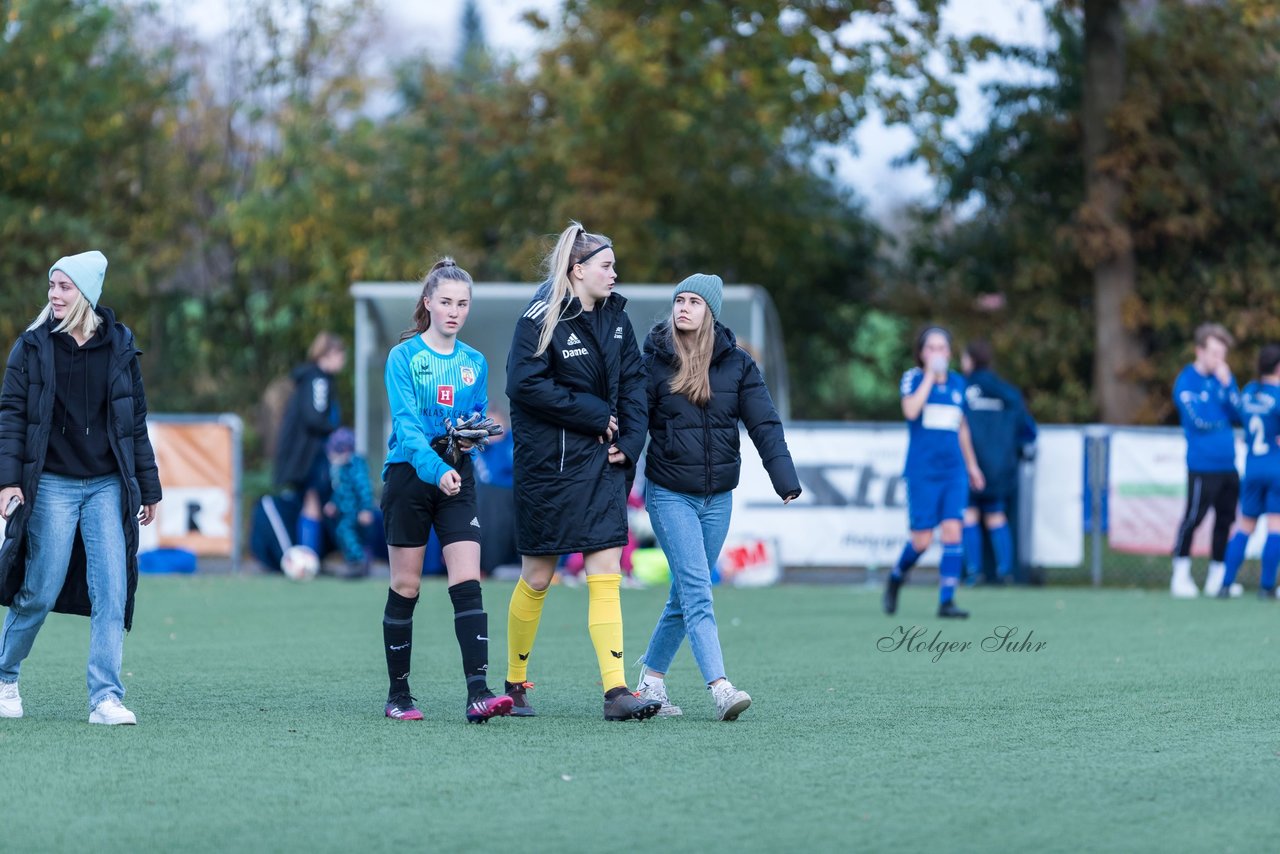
pixel 1003 433
pixel 700 384
pixel 311 415
pixel 77 476
pixel 578 418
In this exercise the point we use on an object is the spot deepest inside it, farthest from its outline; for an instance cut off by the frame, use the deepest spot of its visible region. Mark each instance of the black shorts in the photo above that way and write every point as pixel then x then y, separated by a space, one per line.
pixel 410 508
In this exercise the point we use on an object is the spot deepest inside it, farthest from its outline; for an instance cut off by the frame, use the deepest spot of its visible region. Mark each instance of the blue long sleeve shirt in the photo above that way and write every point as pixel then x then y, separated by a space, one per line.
pixel 1207 409
pixel 423 388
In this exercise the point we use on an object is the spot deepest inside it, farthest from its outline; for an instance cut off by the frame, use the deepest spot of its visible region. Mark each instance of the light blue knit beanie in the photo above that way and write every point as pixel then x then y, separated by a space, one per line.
pixel 706 285
pixel 86 270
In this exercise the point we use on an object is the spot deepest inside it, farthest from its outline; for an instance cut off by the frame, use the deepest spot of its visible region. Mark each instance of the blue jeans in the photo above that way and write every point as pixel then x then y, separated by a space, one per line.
pixel 61 504
pixel 691 529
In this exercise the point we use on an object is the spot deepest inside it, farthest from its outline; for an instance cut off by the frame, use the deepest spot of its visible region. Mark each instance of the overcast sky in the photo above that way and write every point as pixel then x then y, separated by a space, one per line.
pixel 433 26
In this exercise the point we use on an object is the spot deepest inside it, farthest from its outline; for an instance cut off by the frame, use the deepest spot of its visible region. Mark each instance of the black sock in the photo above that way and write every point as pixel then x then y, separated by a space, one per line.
pixel 397 639
pixel 471 624
pixel 616 692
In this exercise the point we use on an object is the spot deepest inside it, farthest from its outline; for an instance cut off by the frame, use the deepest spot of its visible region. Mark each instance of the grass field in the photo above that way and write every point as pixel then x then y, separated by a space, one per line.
pixel 1141 724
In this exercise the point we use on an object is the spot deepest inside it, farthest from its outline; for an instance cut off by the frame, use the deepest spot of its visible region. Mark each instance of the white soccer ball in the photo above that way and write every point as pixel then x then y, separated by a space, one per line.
pixel 300 563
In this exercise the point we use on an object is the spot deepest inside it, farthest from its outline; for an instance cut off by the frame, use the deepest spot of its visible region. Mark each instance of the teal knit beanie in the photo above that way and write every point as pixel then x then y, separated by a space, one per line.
pixel 86 270
pixel 706 285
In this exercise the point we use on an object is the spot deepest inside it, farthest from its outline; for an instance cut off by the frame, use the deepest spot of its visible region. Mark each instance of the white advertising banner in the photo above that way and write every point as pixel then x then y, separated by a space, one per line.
pixel 1057 509
pixel 853 511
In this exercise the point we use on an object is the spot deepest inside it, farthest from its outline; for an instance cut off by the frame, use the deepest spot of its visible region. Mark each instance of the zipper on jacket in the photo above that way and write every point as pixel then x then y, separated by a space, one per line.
pixel 561 449
pixel 706 447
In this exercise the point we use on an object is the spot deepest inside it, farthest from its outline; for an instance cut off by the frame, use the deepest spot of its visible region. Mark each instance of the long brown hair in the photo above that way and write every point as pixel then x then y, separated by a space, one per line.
pixel 693 350
pixel 444 269
pixel 573 246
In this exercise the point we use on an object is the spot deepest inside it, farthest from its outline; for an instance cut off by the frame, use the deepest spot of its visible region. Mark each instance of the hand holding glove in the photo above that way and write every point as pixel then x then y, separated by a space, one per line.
pixel 461 436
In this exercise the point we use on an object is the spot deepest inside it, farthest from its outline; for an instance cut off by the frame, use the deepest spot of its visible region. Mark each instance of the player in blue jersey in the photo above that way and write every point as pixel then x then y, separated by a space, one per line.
pixel 940 467
pixel 431 376
pixel 1208 404
pixel 1260 492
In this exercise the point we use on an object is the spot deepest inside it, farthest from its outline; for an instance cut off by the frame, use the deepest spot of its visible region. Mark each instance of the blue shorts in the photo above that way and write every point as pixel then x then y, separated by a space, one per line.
pixel 929 502
pixel 1259 496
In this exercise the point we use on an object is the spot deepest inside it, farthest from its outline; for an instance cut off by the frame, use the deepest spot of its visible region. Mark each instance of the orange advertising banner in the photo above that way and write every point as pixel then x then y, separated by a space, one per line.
pixel 197 472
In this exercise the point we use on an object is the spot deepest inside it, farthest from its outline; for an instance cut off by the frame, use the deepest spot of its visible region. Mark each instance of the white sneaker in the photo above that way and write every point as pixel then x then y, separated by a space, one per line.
pixel 1213 581
pixel 10 701
pixel 111 711
pixel 1184 587
pixel 656 689
pixel 730 702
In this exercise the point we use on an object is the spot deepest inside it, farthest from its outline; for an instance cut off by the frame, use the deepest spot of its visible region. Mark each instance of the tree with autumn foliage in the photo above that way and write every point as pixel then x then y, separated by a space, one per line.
pixel 1194 147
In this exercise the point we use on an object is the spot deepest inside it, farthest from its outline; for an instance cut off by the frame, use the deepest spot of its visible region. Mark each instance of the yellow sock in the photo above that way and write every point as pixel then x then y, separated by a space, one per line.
pixel 604 622
pixel 522 627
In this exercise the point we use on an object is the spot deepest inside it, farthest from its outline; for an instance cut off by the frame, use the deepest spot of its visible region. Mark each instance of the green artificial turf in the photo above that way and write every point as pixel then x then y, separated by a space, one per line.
pixel 1142 724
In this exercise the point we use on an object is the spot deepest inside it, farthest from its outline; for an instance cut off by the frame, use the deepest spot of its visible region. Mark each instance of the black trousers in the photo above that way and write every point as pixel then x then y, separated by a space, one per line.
pixel 1219 490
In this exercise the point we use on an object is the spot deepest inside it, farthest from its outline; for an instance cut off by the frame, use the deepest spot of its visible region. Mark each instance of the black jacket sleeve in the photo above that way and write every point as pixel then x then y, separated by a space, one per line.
pixel 13 417
pixel 758 413
pixel 633 401
pixel 530 385
pixel 144 456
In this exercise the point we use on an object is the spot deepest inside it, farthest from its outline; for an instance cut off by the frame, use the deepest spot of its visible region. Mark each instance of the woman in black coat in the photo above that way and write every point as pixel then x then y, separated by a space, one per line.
pixel 578 421
pixel 700 386
pixel 77 475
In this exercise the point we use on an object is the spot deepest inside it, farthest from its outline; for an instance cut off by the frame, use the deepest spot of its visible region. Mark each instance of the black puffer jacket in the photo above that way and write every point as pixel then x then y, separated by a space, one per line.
pixel 312 414
pixel 694 449
pixel 26 418
pixel 568 497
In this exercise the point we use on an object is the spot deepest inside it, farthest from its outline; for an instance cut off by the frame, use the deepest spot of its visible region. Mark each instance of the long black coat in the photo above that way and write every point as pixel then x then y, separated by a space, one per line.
pixel 26 417
pixel 569 498
pixel 694 449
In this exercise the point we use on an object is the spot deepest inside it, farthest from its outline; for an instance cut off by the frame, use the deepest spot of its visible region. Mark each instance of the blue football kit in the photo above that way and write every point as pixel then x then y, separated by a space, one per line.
pixel 1260 412
pixel 936 475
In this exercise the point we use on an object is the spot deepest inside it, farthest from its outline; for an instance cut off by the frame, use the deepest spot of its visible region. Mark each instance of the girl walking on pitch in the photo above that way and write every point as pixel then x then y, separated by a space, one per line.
pixel 940 467
pixel 434 381
pixel 701 384
pixel 75 464
pixel 578 418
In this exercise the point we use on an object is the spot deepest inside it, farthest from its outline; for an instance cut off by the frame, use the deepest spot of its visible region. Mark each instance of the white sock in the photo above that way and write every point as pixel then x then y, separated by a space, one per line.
pixel 647 675
pixel 1182 566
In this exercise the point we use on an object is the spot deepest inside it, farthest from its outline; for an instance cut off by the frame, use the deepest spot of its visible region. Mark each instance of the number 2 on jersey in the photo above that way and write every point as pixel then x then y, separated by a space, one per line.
pixel 1258 444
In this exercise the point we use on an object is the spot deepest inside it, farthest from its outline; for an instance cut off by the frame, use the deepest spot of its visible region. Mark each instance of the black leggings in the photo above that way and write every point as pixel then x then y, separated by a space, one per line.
pixel 1219 490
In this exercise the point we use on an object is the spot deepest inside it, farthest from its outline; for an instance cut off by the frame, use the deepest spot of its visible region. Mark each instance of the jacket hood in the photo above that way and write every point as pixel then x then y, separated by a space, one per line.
pixel 659 343
pixel 306 369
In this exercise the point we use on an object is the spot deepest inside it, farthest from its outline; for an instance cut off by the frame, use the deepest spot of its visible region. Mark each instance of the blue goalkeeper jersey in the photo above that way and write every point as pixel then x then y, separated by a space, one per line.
pixel 1207 409
pixel 424 388
pixel 933 436
pixel 1260 411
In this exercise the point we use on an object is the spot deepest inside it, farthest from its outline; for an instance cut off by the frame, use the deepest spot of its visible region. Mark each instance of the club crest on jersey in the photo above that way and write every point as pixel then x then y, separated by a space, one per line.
pixel 444 395
pixel 468 376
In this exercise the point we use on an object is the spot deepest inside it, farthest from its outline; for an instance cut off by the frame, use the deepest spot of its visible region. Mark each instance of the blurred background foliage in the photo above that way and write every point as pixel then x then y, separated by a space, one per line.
pixel 239 189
